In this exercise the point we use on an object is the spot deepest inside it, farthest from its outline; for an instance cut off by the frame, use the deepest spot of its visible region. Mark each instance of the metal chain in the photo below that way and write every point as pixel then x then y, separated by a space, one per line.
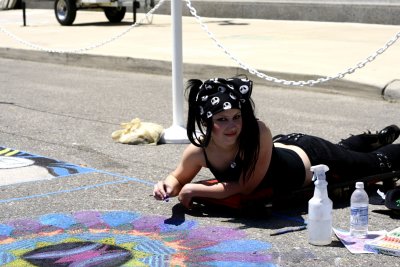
pixel 80 50
pixel 251 70
pixel 261 75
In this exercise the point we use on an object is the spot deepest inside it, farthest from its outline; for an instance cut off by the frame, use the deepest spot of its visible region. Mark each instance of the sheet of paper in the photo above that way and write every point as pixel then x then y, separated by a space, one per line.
pixel 356 245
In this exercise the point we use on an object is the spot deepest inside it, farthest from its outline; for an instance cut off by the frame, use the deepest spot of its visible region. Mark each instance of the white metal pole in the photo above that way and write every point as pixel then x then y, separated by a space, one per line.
pixel 176 133
pixel 177 81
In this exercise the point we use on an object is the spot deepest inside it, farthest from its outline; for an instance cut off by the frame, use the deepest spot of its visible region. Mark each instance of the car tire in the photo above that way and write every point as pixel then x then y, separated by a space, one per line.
pixel 65 11
pixel 115 14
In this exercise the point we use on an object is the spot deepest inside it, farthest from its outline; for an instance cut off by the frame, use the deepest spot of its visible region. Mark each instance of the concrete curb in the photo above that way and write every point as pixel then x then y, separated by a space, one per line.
pixel 160 67
pixel 391 91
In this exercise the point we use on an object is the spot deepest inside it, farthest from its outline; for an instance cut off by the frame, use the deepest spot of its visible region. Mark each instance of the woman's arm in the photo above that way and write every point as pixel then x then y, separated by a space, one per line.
pixel 187 169
pixel 218 191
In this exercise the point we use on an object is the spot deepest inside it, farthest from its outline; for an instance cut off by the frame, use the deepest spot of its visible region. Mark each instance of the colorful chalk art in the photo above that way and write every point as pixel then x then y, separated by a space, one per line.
pixel 120 238
pixel 112 238
pixel 18 166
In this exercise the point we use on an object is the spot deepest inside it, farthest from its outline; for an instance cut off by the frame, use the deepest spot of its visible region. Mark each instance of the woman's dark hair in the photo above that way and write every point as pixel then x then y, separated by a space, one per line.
pixel 249 144
pixel 199 129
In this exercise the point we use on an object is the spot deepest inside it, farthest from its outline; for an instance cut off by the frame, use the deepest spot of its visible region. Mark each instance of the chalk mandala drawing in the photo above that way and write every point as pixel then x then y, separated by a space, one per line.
pixel 24 167
pixel 120 238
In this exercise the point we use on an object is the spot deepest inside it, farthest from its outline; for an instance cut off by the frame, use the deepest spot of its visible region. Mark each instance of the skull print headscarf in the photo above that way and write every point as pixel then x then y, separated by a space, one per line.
pixel 216 95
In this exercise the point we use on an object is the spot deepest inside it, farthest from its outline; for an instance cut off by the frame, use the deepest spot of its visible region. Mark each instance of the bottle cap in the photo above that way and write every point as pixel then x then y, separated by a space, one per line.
pixel 359 185
pixel 319 173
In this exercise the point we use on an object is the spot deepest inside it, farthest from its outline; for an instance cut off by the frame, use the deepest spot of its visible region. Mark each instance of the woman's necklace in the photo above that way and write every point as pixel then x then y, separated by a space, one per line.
pixel 233 162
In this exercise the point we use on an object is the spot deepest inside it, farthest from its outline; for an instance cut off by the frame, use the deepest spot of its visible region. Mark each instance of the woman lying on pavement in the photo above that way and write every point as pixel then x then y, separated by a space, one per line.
pixel 239 150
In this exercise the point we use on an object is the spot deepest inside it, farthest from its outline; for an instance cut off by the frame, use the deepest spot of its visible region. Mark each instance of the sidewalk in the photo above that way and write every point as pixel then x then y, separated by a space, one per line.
pixel 291 50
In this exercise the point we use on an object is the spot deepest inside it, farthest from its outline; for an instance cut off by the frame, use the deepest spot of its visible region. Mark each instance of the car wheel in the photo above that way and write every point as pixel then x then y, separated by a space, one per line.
pixel 115 14
pixel 65 11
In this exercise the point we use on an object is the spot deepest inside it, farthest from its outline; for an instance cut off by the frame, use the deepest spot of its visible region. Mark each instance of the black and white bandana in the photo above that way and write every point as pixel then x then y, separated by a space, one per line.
pixel 216 95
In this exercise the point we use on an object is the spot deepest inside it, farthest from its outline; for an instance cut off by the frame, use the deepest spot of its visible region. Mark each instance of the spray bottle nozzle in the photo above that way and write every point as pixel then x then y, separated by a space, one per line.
pixel 319 172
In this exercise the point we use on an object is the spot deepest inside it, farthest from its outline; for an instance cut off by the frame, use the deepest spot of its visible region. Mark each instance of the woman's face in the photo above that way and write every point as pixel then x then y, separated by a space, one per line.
pixel 227 126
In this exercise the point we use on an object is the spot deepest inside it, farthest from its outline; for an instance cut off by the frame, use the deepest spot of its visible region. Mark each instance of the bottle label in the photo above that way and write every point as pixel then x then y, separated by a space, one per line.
pixel 359 216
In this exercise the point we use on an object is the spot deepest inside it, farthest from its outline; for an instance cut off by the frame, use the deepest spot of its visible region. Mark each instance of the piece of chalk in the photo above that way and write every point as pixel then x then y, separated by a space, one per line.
pixel 165 199
pixel 288 230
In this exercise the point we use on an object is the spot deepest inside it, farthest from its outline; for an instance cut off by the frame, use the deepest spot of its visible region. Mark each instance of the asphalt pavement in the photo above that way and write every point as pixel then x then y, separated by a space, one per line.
pixel 66 111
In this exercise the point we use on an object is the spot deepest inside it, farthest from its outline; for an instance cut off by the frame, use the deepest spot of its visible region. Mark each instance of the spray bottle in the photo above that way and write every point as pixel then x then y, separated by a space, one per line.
pixel 320 209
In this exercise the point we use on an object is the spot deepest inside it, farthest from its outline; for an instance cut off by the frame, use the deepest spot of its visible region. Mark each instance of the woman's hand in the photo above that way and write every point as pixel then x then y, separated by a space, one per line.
pixel 162 191
pixel 167 188
pixel 186 195
pixel 190 164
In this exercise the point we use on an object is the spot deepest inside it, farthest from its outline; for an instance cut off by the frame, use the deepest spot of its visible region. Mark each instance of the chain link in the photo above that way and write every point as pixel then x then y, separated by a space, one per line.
pixel 261 75
pixel 242 65
pixel 81 50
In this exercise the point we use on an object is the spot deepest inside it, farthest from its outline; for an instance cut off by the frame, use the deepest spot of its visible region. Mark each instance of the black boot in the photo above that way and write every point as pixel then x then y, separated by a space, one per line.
pixel 368 142
pixel 388 135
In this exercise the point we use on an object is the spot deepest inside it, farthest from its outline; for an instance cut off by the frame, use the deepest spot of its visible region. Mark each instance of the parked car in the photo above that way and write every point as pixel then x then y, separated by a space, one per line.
pixel 65 10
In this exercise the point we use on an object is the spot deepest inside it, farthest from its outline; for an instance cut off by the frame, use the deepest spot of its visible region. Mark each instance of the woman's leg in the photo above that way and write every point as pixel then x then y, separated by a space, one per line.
pixel 368 142
pixel 346 164
pixel 389 157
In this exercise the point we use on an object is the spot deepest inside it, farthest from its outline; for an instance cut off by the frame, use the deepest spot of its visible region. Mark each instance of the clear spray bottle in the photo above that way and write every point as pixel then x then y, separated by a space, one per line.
pixel 320 209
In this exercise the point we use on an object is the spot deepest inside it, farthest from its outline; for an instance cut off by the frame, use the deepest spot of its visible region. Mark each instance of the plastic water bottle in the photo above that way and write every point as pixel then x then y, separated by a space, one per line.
pixel 359 211
pixel 320 210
